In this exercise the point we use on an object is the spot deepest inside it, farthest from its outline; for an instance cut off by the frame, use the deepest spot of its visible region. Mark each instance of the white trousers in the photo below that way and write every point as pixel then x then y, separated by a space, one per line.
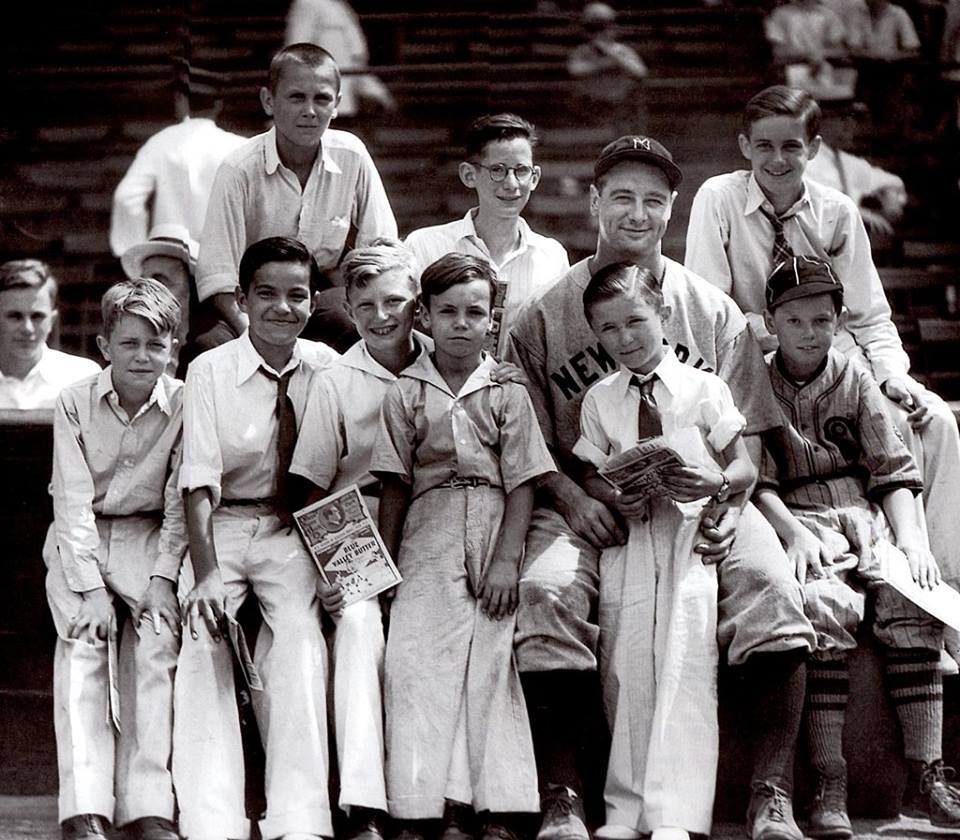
pixel 658 660
pixel 358 705
pixel 255 551
pixel 122 776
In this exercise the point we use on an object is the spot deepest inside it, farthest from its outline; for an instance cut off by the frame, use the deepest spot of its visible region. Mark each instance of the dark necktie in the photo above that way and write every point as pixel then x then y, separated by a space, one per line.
pixel 781 248
pixel 286 436
pixel 648 415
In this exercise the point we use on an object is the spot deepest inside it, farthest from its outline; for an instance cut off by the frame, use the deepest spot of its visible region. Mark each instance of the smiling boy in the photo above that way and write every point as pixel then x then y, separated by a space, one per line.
pixel 244 402
pixel 498 165
pixel 301 179
pixel 744 223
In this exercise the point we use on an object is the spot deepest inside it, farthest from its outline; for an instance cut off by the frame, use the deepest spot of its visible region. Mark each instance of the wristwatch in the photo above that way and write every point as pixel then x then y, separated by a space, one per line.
pixel 724 492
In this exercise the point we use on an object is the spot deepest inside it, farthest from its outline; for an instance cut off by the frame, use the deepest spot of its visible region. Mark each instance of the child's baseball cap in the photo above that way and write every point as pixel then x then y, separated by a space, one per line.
pixel 800 277
pixel 637 147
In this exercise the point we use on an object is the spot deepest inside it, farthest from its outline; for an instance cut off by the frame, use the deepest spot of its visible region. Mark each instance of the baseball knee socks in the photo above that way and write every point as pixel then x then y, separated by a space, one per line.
pixel 828 688
pixel 915 685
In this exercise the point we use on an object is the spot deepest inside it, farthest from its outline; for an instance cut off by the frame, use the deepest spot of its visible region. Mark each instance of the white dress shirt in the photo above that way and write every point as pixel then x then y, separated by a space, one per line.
pixel 174 170
pixel 43 384
pixel 255 196
pixel 730 244
pixel 229 417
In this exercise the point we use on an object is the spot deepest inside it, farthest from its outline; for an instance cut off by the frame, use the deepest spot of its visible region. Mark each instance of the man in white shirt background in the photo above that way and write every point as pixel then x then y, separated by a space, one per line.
pixel 170 179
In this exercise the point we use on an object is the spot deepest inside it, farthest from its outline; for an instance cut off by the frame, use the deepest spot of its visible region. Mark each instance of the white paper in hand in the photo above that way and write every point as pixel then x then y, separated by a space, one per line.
pixel 942 602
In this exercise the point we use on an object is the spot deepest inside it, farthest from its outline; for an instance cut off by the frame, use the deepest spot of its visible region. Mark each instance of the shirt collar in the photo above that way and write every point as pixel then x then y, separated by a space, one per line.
pixel 360 358
pixel 271 157
pixel 669 371
pixel 424 370
pixel 249 361
pixel 104 388
pixel 756 200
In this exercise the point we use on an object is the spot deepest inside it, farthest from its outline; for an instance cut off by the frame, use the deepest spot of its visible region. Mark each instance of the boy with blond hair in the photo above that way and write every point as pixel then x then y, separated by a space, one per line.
pixel 117 541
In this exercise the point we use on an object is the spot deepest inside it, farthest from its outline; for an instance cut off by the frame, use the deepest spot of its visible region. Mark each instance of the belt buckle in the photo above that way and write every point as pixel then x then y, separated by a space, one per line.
pixel 458 482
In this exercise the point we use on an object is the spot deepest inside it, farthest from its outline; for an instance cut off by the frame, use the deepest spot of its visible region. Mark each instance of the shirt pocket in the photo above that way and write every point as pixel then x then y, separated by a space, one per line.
pixel 331 236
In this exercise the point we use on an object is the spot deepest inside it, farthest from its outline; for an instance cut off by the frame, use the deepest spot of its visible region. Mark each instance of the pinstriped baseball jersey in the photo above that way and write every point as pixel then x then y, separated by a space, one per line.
pixel 837 447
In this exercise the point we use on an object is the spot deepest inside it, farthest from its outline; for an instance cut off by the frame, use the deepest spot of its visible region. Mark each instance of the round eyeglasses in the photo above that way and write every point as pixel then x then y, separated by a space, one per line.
pixel 498 172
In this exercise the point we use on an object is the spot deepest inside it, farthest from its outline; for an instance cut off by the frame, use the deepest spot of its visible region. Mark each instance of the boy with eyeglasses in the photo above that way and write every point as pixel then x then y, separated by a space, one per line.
pixel 498 165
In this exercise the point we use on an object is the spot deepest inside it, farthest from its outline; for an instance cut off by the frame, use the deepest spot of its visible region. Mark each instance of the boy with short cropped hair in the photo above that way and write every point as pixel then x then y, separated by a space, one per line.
pixel 457 454
pixel 116 544
pixel 744 223
pixel 31 373
pixel 837 483
pixel 658 599
pixel 244 401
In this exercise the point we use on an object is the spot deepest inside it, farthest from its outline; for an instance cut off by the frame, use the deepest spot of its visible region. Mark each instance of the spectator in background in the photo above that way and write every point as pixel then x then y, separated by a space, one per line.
pixel 31 373
pixel 805 37
pixel 300 179
pixel 333 25
pixel 879 195
pixel 170 256
pixel 883 41
pixel 170 179
pixel 610 73
pixel 498 165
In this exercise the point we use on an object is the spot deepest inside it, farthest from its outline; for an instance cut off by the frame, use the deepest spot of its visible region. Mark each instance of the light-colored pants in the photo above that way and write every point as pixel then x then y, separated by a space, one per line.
pixel 358 705
pixel 658 665
pixel 760 606
pixel 121 776
pixel 457 723
pixel 255 551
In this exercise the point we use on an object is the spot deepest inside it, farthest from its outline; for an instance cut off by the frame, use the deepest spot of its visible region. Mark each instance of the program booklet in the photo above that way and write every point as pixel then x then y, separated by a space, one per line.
pixel 640 469
pixel 344 542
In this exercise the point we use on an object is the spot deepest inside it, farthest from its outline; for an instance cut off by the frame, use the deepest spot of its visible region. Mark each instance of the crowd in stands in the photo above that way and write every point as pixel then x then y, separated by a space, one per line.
pixel 480 391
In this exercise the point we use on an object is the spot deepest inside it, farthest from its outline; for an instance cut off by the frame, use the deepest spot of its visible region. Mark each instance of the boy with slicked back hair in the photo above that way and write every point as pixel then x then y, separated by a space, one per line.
pixel 498 164
pixel 744 223
pixel 115 550
pixel 244 405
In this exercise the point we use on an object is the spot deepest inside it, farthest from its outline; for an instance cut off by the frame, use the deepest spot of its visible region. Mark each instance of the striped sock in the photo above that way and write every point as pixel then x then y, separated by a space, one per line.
pixel 828 687
pixel 915 685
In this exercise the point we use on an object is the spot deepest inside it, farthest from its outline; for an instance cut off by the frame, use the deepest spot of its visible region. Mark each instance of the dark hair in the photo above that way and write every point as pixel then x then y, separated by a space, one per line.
pixel 493 127
pixel 28 274
pixel 783 101
pixel 622 279
pixel 279 249
pixel 310 55
pixel 144 297
pixel 452 270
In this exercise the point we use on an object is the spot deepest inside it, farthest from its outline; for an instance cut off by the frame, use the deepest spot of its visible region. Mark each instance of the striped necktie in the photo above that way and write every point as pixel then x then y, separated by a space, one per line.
pixel 781 248
pixel 648 415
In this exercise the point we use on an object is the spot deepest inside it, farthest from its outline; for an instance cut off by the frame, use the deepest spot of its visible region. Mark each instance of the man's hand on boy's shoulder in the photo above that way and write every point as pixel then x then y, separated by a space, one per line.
pixel 909 395
pixel 95 618
pixel 207 602
pixel 509 372
pixel 159 604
